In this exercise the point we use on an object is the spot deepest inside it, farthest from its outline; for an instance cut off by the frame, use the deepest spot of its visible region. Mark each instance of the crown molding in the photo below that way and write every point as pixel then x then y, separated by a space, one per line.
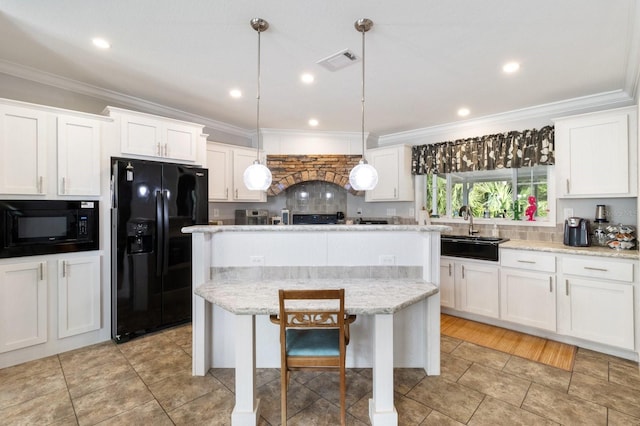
pixel 110 96
pixel 613 99
pixel 309 133
pixel 605 100
pixel 632 79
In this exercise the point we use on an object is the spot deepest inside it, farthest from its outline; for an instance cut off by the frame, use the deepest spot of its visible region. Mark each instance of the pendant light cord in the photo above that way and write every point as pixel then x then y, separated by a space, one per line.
pixel 258 103
pixel 362 100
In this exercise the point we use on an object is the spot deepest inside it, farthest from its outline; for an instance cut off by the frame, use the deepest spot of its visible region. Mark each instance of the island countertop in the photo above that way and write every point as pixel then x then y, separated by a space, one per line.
pixel 557 247
pixel 314 228
pixel 363 296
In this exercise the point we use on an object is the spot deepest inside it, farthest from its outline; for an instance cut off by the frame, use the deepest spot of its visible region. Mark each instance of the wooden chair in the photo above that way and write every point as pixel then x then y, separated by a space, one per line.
pixel 314 333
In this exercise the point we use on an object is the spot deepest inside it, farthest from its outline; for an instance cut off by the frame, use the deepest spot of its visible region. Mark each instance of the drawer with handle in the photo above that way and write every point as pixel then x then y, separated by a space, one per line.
pixel 597 268
pixel 525 259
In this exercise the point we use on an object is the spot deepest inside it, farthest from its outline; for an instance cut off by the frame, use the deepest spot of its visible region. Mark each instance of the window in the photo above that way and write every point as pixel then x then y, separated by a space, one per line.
pixel 491 194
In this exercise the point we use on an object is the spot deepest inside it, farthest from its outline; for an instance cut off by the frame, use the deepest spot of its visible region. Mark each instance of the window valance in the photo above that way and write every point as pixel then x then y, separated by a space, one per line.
pixel 503 150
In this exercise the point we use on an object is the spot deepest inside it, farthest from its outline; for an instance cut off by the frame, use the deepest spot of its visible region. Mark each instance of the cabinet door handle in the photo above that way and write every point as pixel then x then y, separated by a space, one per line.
pixel 526 261
pixel 64 269
pixel 40 184
pixel 41 271
pixel 566 287
pixel 449 269
pixel 226 193
pixel 395 192
pixel 550 284
pixel 236 194
pixel 158 150
pixel 462 271
pixel 568 187
pixel 64 185
pixel 595 269
pixel 166 149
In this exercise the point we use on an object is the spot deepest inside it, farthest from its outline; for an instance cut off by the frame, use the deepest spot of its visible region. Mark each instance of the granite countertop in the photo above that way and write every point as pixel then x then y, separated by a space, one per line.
pixel 556 247
pixel 362 296
pixel 315 228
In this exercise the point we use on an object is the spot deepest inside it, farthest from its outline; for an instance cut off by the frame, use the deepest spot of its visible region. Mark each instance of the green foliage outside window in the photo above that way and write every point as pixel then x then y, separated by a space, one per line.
pixel 490 192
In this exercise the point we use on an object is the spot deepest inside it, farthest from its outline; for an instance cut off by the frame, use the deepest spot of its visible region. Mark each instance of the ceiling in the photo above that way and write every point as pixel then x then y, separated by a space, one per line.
pixel 425 59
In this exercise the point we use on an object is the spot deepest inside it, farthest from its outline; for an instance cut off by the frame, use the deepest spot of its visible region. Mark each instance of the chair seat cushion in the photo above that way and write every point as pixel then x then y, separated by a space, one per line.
pixel 313 342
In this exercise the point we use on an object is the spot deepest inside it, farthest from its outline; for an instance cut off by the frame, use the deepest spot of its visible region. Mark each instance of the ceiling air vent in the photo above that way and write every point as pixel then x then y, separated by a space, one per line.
pixel 339 60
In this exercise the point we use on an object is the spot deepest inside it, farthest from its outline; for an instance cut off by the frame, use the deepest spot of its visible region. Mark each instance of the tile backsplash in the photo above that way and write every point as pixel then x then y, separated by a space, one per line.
pixel 316 197
pixel 518 232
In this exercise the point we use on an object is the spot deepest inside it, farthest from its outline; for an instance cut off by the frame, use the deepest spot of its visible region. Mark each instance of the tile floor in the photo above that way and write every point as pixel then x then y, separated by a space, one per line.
pixel 148 381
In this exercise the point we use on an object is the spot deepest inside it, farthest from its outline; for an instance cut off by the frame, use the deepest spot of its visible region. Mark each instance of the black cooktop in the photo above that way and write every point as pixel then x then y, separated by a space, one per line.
pixel 314 219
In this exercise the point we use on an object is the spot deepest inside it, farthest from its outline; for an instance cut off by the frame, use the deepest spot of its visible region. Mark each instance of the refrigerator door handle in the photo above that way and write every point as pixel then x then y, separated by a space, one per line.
pixel 159 233
pixel 165 224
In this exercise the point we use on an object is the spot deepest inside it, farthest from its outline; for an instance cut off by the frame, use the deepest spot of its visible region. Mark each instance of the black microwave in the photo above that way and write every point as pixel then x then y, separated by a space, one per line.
pixel 35 227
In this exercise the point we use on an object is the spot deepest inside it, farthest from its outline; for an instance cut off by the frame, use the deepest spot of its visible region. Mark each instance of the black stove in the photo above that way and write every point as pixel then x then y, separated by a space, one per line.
pixel 365 221
pixel 314 219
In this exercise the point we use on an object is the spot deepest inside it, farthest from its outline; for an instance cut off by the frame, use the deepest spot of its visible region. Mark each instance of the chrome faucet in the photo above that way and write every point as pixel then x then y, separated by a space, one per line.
pixel 466 213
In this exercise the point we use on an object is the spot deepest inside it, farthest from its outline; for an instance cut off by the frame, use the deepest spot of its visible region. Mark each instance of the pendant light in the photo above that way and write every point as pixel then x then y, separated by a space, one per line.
pixel 257 176
pixel 364 176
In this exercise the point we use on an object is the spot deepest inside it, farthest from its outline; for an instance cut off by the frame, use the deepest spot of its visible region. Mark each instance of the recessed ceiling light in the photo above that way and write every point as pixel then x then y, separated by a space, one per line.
pixel 463 112
pixel 313 122
pixel 307 78
pixel 235 93
pixel 101 43
pixel 511 67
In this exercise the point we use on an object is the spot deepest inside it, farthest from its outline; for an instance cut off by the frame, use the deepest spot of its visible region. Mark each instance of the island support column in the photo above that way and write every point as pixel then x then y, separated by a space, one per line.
pixel 201 310
pixel 247 409
pixel 381 409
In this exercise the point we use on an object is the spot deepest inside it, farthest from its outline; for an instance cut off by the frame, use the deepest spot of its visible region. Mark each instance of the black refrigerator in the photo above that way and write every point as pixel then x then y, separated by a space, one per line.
pixel 151 257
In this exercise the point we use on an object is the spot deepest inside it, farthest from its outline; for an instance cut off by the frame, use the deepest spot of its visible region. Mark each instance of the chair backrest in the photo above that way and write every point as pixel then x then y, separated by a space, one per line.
pixel 314 308
pixel 319 309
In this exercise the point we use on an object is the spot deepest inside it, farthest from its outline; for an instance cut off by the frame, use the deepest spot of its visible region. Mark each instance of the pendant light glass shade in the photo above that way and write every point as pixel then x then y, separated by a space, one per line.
pixel 364 176
pixel 257 177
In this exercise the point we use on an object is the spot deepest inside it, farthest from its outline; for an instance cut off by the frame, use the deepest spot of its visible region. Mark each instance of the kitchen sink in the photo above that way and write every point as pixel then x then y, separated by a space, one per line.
pixel 471 246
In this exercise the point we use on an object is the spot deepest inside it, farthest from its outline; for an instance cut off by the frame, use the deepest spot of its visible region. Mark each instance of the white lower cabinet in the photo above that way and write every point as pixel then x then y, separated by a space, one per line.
pixel 447 283
pixel 528 298
pixel 528 288
pixel 78 295
pixel 596 300
pixel 34 301
pixel 479 288
pixel 23 305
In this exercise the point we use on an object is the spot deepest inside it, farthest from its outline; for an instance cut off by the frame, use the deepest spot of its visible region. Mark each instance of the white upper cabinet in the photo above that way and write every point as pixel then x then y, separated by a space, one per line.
pixel 395 182
pixel 30 136
pixel 243 158
pixel 219 159
pixel 226 164
pixel 23 154
pixel 157 137
pixel 78 156
pixel 596 154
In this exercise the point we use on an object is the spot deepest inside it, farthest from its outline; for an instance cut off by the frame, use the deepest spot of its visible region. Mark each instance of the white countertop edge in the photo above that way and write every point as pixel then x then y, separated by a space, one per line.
pixel 314 228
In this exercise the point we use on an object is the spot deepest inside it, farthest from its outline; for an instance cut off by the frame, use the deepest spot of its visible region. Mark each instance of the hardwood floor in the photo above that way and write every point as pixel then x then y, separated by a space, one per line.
pixel 512 342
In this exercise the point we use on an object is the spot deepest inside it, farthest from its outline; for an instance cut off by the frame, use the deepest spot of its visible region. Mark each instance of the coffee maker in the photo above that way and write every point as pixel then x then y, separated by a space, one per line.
pixel 576 232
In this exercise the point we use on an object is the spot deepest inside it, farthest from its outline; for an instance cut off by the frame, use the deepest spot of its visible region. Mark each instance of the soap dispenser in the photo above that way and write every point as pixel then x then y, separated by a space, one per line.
pixel 495 232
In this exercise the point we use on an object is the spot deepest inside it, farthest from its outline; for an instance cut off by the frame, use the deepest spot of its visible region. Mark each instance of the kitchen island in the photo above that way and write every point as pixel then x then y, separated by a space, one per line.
pixel 390 274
